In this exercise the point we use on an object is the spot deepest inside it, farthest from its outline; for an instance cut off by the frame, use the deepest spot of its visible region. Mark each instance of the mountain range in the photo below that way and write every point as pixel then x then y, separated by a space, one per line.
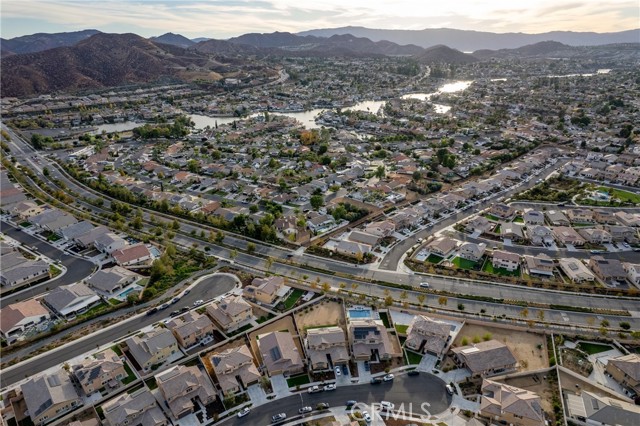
pixel 43 41
pixel 469 41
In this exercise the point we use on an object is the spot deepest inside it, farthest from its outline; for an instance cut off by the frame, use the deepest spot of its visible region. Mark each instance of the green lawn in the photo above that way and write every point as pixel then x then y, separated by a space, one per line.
pixel 463 263
pixel 117 350
pixel 293 298
pixel 401 328
pixel 497 229
pixel 492 217
pixel 130 375
pixel 434 258
pixel 300 380
pixel 263 318
pixel 624 196
pixel 96 310
pixel 413 357
pixel 25 224
pixel 518 219
pixel 240 330
pixel 385 319
pixel 488 268
pixel 54 271
pixel 593 348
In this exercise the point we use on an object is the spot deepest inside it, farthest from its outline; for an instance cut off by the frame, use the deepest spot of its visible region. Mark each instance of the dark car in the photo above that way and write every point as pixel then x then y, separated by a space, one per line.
pixel 413 373
pixel 152 311
pixel 376 381
pixel 351 403
pixel 174 314
pixel 183 310
pixel 366 366
pixel 322 406
pixel 345 370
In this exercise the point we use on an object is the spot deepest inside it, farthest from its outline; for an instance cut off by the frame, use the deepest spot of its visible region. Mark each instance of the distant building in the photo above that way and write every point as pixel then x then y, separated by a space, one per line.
pixel 608 269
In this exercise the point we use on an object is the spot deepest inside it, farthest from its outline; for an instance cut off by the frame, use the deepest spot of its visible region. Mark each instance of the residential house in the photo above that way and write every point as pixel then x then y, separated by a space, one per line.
pixel 190 328
pixel 152 348
pixel 505 260
pixel 326 347
pixel 320 222
pixel 109 242
pixel 502 211
pixel 538 235
pixel 364 238
pixel 479 225
pixel 580 216
pixel 515 406
pixel 485 358
pixel 182 387
pixel 87 240
pixel 607 269
pixel 625 369
pixel 26 210
pixel 111 281
pixel 621 233
pixel 71 300
pixel 265 290
pixel 595 235
pixel 229 313
pixel 17 270
pixel 557 218
pixel 606 217
pixel 21 316
pixel 426 335
pixel 132 255
pixel 568 236
pixel 381 229
pixel 576 270
pixel 49 396
pixel 533 217
pixel 137 408
pixel 512 231
pixel 52 220
pixel 442 246
pixel 280 353
pixel 71 232
pixel 102 370
pixel 352 249
pixel 628 219
pixel 538 265
pixel 234 368
pixel 472 251
pixel 591 409
pixel 370 340
pixel 633 273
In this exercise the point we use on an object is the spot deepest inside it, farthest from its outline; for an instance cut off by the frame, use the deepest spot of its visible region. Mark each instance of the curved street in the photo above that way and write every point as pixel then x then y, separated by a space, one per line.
pixel 410 391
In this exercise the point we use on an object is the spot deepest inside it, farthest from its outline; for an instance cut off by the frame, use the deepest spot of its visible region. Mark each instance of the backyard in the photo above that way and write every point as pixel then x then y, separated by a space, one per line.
pixel 463 263
pixel 299 380
pixel 528 348
pixel 293 298
pixel 489 268
pixel 434 258
pixel 325 313
pixel 593 348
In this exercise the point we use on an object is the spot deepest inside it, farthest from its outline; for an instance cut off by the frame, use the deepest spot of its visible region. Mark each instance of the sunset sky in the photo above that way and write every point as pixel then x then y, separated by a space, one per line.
pixel 227 18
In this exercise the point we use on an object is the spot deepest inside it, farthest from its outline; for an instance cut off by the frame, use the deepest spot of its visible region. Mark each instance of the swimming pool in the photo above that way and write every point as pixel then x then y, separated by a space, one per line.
pixel 125 293
pixel 360 313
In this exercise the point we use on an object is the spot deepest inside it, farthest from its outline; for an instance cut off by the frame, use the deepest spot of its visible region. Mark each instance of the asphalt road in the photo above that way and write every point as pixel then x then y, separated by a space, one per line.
pixel 205 290
pixel 77 268
pixel 407 390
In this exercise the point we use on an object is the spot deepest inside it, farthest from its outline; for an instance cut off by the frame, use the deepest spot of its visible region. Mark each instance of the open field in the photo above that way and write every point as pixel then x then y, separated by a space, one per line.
pixel 524 345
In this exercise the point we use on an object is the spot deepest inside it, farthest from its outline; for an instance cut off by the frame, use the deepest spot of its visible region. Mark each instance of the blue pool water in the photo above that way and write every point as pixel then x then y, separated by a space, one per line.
pixel 359 313
pixel 125 293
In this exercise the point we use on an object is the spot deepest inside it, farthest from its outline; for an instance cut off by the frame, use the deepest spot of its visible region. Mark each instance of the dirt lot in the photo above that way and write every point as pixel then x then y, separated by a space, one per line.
pixel 324 313
pixel 282 324
pixel 524 345
pixel 535 383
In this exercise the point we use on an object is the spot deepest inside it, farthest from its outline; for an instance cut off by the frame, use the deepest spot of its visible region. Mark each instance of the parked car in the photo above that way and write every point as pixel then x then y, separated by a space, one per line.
pixel 152 311
pixel 351 403
pixel 322 406
pixel 366 366
pixel 450 389
pixel 174 314
pixel 376 381
pixel 387 406
pixel 244 412
pixel 304 410
pixel 338 372
pixel 329 387
pixel 278 418
pixel 198 302
pixel 366 417
pixel 175 300
pixel 163 306
pixel 388 377
pixel 345 369
pixel 413 373
pixel 314 389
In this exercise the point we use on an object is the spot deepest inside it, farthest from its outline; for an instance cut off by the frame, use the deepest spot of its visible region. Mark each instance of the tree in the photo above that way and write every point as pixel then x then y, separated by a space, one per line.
pixel 326 287
pixel 269 263
pixel 541 315
pixel 45 171
pixel 233 254
pixel 380 172
pixel 316 201
pixel 421 299
pixel 388 301
pixel 251 248
pixel 442 300
pixel 175 224
pixel 524 313
pixel 404 295
pixel 219 237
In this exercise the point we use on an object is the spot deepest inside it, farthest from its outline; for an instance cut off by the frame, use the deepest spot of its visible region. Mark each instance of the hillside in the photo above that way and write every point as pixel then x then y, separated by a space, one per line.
pixel 444 54
pixel 103 60
pixel 42 41
pixel 468 41
pixel 173 39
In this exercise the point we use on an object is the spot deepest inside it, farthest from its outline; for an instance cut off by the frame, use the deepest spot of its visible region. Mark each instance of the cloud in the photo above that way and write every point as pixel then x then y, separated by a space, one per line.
pixel 227 18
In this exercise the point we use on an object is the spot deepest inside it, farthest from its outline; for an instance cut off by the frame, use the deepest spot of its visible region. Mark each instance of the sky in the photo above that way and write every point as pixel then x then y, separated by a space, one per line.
pixel 228 18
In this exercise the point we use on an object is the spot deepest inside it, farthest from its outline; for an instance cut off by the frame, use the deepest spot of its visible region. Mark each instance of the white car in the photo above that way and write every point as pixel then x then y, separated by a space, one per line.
pixel 198 302
pixel 314 389
pixel 304 410
pixel 244 412
pixel 330 387
pixel 387 406
pixel 338 372
pixel 388 377
pixel 366 417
